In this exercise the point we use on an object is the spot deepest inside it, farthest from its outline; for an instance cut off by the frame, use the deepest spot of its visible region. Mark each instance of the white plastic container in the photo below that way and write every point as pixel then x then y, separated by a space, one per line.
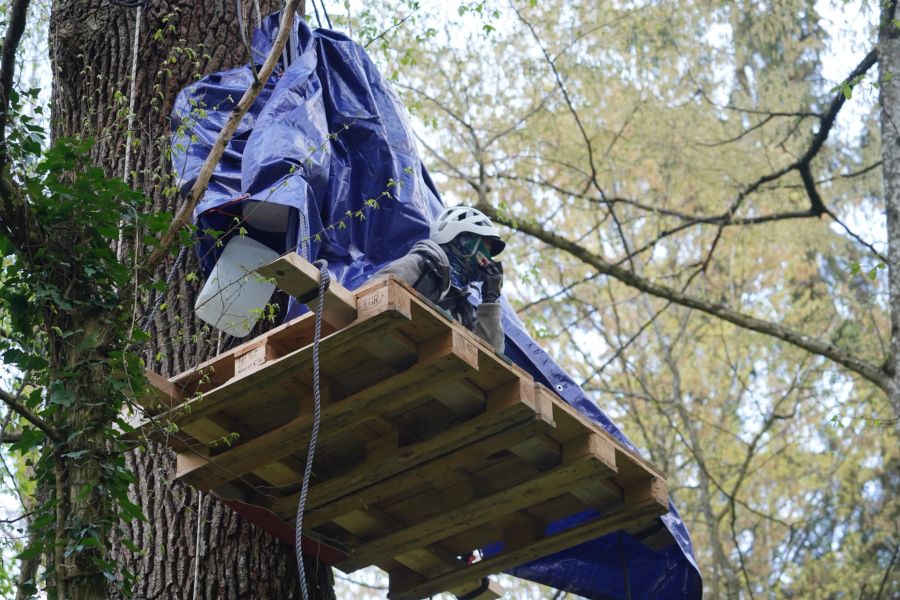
pixel 234 295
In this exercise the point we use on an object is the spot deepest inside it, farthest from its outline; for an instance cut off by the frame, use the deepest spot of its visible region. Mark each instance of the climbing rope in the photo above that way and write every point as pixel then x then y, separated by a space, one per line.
pixel 126 171
pixel 178 260
pixel 325 12
pixel 324 280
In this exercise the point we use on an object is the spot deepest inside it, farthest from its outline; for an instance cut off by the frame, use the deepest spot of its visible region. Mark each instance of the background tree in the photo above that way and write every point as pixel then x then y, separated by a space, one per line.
pixel 698 234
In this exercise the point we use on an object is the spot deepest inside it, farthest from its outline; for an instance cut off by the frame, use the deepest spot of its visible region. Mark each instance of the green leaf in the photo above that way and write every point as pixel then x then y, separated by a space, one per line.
pixel 75 454
pixel 30 552
pixel 30 439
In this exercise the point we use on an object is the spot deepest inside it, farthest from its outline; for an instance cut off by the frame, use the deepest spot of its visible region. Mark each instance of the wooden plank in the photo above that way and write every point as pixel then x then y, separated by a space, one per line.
pixel 571 423
pixel 492 591
pixel 649 506
pixel 256 383
pixel 506 406
pixel 587 457
pixel 443 362
pixel 161 394
pixel 432 473
pixel 298 277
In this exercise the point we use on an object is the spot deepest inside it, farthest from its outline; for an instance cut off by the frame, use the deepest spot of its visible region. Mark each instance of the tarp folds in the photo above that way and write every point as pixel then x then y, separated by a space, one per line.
pixel 328 139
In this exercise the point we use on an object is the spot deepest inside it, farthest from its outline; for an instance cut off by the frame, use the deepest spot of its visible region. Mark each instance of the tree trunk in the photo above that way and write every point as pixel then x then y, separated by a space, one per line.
pixel 91 45
pixel 889 98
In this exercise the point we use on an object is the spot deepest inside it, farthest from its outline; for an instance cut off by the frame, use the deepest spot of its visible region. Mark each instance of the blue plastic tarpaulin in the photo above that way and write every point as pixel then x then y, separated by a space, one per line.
pixel 328 139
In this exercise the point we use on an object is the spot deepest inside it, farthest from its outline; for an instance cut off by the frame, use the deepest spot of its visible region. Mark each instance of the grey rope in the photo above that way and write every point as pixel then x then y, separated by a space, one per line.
pixel 324 279
pixel 171 276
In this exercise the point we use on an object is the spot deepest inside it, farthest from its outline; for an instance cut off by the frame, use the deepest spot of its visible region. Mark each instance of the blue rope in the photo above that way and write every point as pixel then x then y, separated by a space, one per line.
pixel 324 280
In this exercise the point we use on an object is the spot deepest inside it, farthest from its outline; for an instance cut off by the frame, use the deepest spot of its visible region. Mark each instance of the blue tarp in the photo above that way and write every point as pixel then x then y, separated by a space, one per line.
pixel 328 138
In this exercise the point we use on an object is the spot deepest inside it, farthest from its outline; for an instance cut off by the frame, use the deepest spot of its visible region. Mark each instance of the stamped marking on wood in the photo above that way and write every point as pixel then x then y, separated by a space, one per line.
pixel 372 301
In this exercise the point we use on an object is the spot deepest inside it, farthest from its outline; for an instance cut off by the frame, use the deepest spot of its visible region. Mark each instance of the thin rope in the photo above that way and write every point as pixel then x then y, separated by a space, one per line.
pixel 171 276
pixel 241 25
pixel 324 279
pixel 325 12
pixel 126 171
pixel 197 546
pixel 316 10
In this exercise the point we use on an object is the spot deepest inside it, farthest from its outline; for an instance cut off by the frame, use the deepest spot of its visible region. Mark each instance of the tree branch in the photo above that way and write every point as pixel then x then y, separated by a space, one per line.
pixel 13 403
pixel 14 31
pixel 10 437
pixel 864 369
pixel 17 17
pixel 215 154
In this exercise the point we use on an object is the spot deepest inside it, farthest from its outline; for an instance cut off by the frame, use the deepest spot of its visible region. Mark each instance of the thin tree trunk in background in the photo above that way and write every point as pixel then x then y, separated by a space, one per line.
pixel 91 50
pixel 889 98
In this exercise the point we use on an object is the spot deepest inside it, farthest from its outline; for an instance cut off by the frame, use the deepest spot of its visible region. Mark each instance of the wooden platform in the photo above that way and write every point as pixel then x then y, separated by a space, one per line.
pixel 431 445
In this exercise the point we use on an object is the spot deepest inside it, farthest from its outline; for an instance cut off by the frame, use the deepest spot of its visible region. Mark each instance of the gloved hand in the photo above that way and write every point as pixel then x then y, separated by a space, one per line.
pixel 491 281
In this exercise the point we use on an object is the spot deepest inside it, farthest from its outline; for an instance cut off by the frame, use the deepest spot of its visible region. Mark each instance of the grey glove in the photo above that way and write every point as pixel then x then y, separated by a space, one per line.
pixel 491 282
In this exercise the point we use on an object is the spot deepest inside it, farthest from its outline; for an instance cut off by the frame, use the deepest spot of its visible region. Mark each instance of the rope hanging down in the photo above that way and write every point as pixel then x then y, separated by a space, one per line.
pixel 324 280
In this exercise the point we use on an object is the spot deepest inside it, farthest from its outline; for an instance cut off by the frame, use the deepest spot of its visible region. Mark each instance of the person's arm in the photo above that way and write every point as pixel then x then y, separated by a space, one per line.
pixel 406 268
pixel 425 268
pixel 490 324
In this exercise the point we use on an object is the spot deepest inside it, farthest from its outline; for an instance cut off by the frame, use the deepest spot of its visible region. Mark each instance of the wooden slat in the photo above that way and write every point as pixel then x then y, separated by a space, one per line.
pixel 433 473
pixel 648 502
pixel 494 590
pixel 299 277
pixel 254 386
pixel 443 363
pixel 506 406
pixel 591 456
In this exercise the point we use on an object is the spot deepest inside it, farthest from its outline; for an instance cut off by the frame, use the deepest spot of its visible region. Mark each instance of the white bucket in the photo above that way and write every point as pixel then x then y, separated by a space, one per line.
pixel 266 216
pixel 234 295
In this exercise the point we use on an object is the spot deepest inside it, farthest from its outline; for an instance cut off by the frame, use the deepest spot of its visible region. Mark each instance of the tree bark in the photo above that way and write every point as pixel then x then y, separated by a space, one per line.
pixel 889 98
pixel 91 47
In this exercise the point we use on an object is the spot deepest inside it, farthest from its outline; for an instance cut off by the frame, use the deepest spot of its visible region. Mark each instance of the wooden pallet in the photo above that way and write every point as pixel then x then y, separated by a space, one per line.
pixel 431 445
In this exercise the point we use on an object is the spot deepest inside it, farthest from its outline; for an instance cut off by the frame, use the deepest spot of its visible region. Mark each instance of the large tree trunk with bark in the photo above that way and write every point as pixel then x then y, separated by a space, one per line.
pixel 191 546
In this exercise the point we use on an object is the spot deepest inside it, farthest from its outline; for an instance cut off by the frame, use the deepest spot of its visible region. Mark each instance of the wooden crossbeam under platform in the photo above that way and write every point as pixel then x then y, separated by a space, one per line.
pixel 431 445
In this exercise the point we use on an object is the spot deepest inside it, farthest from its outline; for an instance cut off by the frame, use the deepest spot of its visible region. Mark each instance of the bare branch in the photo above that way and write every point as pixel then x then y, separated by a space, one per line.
pixel 855 236
pixel 866 370
pixel 13 403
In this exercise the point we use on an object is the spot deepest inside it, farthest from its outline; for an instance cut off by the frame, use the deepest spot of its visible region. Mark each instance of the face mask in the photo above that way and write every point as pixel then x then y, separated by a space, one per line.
pixel 467 253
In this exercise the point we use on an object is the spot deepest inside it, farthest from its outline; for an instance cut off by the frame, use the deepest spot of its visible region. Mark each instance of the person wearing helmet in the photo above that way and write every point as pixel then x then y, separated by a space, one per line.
pixel 457 258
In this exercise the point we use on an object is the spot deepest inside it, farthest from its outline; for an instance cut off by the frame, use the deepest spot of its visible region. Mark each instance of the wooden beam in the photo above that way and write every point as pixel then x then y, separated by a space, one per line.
pixel 448 363
pixel 650 507
pixel 275 372
pixel 299 277
pixel 431 474
pixel 504 410
pixel 582 459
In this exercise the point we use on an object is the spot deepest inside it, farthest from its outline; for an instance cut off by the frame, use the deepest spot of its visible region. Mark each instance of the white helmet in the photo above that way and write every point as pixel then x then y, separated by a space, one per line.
pixel 461 219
